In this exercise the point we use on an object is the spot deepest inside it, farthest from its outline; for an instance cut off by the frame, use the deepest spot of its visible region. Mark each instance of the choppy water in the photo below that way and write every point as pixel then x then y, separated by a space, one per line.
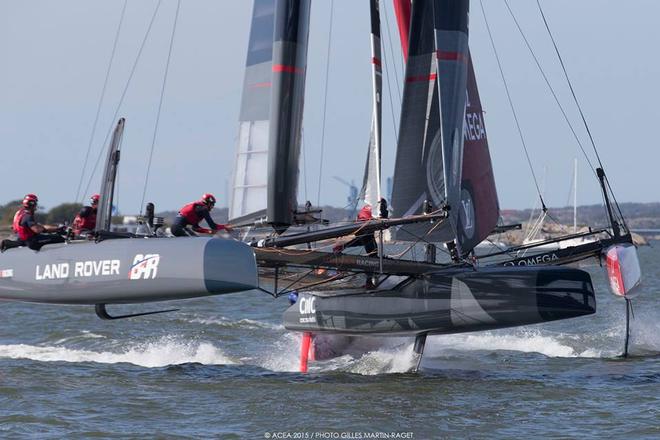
pixel 224 367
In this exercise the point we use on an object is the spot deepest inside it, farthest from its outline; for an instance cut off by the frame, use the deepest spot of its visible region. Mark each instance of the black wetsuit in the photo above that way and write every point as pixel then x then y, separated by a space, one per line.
pixel 367 240
pixel 37 241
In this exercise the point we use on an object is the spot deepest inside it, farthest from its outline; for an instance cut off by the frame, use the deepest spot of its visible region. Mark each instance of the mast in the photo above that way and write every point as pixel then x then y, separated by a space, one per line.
pixel 104 215
pixel 371 186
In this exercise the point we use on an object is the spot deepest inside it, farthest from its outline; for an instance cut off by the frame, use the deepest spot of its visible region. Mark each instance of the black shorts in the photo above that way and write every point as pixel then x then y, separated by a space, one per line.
pixel 38 241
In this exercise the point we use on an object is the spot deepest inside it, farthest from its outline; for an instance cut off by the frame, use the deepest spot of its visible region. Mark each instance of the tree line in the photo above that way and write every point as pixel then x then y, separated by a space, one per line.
pixel 62 213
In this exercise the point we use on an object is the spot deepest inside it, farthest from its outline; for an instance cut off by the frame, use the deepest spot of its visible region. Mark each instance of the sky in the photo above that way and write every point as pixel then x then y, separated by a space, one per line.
pixel 55 56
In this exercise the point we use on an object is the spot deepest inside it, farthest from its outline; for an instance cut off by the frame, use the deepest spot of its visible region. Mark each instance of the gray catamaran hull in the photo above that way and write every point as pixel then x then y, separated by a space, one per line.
pixel 131 270
pixel 459 301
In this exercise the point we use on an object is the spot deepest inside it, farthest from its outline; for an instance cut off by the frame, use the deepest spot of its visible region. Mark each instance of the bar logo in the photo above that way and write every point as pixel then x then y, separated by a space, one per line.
pixel 145 267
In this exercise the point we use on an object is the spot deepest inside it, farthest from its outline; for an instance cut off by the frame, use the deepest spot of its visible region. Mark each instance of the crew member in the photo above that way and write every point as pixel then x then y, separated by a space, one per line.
pixel 29 232
pixel 362 239
pixel 85 221
pixel 192 214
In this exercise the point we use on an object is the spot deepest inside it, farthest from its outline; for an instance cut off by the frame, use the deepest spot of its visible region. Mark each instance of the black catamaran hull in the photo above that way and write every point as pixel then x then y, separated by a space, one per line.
pixel 132 270
pixel 459 301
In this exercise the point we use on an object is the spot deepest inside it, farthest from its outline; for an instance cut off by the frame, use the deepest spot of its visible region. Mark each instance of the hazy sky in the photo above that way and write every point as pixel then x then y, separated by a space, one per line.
pixel 54 57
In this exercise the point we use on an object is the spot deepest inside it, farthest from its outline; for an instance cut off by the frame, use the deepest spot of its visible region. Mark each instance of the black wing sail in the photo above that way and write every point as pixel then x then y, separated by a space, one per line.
pixel 288 89
pixel 430 149
pixel 265 180
pixel 419 119
pixel 104 217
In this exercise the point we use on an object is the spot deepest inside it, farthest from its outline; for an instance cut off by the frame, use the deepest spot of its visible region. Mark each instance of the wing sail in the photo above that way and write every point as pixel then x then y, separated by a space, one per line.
pixel 250 169
pixel 371 189
pixel 266 169
pixel 430 150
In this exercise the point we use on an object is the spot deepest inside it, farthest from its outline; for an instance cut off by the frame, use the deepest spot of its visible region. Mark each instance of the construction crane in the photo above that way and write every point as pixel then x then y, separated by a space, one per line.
pixel 352 199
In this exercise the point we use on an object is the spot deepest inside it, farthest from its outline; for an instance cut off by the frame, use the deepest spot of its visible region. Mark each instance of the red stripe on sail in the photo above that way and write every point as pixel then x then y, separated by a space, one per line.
pixel 420 78
pixel 259 85
pixel 286 69
pixel 452 56
pixel 402 11
pixel 375 61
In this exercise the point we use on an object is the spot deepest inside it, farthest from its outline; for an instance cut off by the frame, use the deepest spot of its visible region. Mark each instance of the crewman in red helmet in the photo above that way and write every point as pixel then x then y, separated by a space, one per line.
pixel 85 221
pixel 192 214
pixel 29 232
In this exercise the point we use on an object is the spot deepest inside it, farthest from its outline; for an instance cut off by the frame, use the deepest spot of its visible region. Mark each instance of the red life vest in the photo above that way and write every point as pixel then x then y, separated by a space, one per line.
pixel 189 212
pixel 24 232
pixel 365 214
pixel 85 223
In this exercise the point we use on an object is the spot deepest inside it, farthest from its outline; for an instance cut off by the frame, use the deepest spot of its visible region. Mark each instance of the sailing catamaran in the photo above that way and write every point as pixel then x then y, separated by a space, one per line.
pixel 443 169
pixel 444 192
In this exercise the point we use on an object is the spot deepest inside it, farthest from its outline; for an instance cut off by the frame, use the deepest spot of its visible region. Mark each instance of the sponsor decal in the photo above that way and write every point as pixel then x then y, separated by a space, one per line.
pixel 534 260
pixel 78 269
pixel 6 273
pixel 145 267
pixel 474 130
pixel 466 214
pixel 365 262
pixel 307 306
pixel 435 179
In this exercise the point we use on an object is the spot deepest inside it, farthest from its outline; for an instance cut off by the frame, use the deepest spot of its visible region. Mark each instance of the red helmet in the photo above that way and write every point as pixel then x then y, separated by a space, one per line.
pixel 95 199
pixel 209 200
pixel 30 201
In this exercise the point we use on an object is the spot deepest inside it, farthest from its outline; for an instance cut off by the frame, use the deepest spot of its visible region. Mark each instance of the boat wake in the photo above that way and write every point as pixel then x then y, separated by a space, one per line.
pixel 360 355
pixel 374 356
pixel 241 323
pixel 525 341
pixel 364 356
pixel 645 335
pixel 160 353
pixel 387 360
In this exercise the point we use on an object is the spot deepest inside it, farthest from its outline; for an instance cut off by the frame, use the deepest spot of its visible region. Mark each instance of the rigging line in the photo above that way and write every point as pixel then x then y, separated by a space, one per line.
pixel 160 104
pixel 389 38
pixel 419 240
pixel 570 84
pixel 302 136
pixel 117 180
pixel 577 103
pixel 389 93
pixel 552 90
pixel 325 103
pixel 616 203
pixel 123 95
pixel 98 108
pixel 513 109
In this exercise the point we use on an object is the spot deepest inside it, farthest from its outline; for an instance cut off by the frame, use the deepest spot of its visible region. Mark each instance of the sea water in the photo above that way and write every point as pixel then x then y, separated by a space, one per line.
pixel 224 367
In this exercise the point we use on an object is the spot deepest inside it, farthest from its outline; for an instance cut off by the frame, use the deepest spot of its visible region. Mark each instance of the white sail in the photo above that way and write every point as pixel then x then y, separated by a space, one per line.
pixel 371 187
pixel 265 180
pixel 249 183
